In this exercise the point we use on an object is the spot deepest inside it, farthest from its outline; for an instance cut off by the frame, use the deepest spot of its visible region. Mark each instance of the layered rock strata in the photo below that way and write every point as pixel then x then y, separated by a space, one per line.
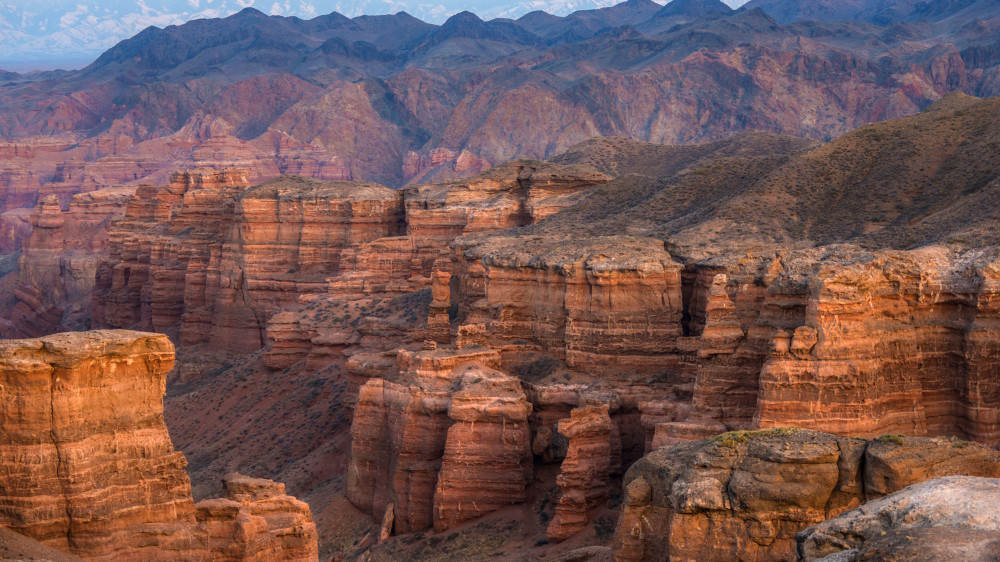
pixel 256 520
pixel 516 193
pixel 606 306
pixel 778 338
pixel 584 473
pixel 89 466
pixel 447 443
pixel 744 495
pixel 953 518
pixel 91 470
pixel 210 259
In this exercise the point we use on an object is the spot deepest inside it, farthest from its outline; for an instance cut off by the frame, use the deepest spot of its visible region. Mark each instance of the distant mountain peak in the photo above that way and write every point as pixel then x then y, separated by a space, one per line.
pixel 693 8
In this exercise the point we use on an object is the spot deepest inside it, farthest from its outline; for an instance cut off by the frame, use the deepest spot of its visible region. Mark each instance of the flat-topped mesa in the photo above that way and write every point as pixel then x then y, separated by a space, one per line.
pixel 745 495
pixel 610 305
pixel 211 259
pixel 88 465
pixel 89 468
pixel 447 443
pixel 59 261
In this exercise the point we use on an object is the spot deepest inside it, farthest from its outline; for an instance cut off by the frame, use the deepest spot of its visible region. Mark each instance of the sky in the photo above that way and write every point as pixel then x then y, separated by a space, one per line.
pixel 48 34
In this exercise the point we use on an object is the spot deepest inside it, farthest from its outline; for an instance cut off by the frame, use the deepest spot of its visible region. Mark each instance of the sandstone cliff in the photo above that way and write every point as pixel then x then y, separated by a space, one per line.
pixel 448 443
pixel 207 254
pixel 209 259
pixel 744 496
pixel 91 470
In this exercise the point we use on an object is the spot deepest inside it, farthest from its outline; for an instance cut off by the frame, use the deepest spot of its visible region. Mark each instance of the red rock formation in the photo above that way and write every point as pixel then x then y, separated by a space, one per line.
pixel 609 305
pixel 91 470
pixel 208 260
pixel 584 474
pixel 89 467
pixel 486 462
pixel 226 257
pixel 257 521
pixel 742 496
pixel 448 443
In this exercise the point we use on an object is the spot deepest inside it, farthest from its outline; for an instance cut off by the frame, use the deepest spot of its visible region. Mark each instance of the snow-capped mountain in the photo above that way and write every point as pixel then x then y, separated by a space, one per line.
pixel 71 33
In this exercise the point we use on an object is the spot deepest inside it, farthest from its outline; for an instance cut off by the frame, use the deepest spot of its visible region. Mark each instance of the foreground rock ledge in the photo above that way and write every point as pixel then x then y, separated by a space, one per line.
pixel 744 495
pixel 954 518
pixel 89 467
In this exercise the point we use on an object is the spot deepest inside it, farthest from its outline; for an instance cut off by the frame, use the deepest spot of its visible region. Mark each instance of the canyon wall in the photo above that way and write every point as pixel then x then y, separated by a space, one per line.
pixel 209 260
pixel 58 263
pixel 91 470
pixel 209 255
pixel 834 339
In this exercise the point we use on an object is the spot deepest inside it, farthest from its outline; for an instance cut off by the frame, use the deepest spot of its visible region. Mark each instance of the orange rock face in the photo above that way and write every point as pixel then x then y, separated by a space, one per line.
pixel 257 521
pixel 446 444
pixel 89 466
pixel 208 260
pixel 583 475
pixel 223 257
pixel 610 305
pixel 744 496
pixel 91 470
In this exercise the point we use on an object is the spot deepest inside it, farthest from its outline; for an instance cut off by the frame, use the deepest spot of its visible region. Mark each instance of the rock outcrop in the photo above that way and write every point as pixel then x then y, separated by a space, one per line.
pixel 447 443
pixel 584 474
pixel 745 495
pixel 210 259
pixel 605 305
pixel 256 520
pixel 953 518
pixel 91 470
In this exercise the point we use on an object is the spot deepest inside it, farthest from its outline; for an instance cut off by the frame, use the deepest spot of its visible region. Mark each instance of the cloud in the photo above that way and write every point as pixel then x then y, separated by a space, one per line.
pixel 71 18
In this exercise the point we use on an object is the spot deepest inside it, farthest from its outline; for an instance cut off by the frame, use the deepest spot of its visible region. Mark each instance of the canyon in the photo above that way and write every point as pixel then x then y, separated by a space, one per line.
pixel 516 340
pixel 402 291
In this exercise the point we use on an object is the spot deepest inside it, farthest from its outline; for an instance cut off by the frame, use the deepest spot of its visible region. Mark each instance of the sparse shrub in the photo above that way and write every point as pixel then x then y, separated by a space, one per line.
pixel 731 439
pixel 537 369
pixel 891 438
pixel 604 527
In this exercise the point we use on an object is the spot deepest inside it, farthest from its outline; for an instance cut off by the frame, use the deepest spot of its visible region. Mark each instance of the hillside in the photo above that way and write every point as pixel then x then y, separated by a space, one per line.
pixel 930 178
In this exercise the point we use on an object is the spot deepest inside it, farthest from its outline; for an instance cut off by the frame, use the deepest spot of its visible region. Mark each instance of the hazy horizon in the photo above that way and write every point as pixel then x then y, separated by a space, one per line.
pixel 69 35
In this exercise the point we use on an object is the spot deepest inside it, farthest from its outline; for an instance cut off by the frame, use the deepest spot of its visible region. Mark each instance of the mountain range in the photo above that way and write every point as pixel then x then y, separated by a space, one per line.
pixel 70 34
pixel 396 100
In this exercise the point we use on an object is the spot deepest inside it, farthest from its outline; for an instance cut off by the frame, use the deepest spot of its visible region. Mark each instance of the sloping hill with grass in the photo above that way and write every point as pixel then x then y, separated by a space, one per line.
pixel 930 178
